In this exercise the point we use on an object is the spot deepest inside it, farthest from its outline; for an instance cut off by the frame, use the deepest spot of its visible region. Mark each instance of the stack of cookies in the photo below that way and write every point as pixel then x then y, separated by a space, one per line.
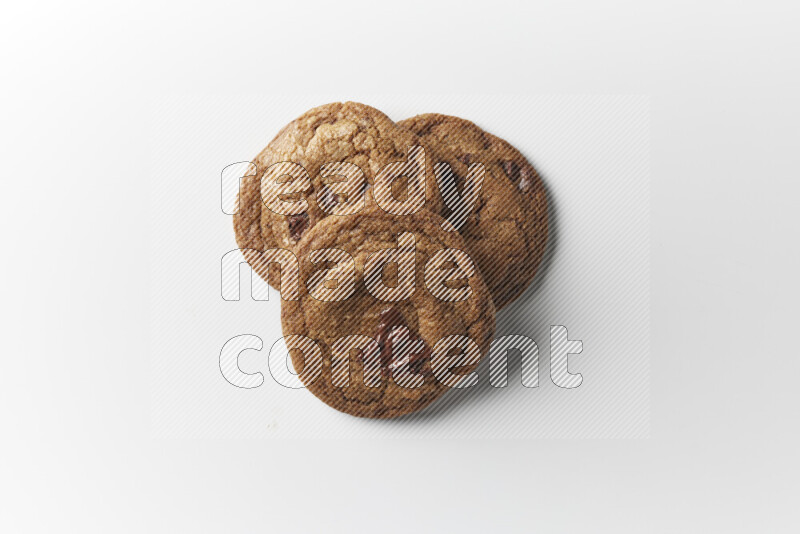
pixel 405 239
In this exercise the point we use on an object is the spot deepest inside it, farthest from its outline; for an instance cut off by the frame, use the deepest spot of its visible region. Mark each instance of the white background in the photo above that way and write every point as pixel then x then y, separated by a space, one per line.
pixel 79 80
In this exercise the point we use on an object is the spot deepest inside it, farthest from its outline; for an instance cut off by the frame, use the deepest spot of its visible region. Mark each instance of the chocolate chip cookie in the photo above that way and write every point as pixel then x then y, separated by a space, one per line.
pixel 397 310
pixel 326 162
pixel 508 229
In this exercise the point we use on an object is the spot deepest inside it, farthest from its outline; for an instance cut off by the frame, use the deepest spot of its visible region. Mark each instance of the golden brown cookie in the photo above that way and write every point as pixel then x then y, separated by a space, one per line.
pixel 329 142
pixel 386 330
pixel 507 232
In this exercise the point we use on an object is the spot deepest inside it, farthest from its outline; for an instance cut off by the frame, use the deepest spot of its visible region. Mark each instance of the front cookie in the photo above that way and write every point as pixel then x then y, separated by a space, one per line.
pixel 396 307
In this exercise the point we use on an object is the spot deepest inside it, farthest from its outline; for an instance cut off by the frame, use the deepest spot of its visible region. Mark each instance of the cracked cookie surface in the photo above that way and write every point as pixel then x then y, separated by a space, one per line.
pixel 428 318
pixel 347 133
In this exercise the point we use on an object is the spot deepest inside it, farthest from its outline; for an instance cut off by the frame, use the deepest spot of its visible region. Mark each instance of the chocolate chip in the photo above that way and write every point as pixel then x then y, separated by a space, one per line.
pixel 390 319
pixel 297 225
pixel 511 169
pixel 466 159
pixel 415 361
pixel 527 177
